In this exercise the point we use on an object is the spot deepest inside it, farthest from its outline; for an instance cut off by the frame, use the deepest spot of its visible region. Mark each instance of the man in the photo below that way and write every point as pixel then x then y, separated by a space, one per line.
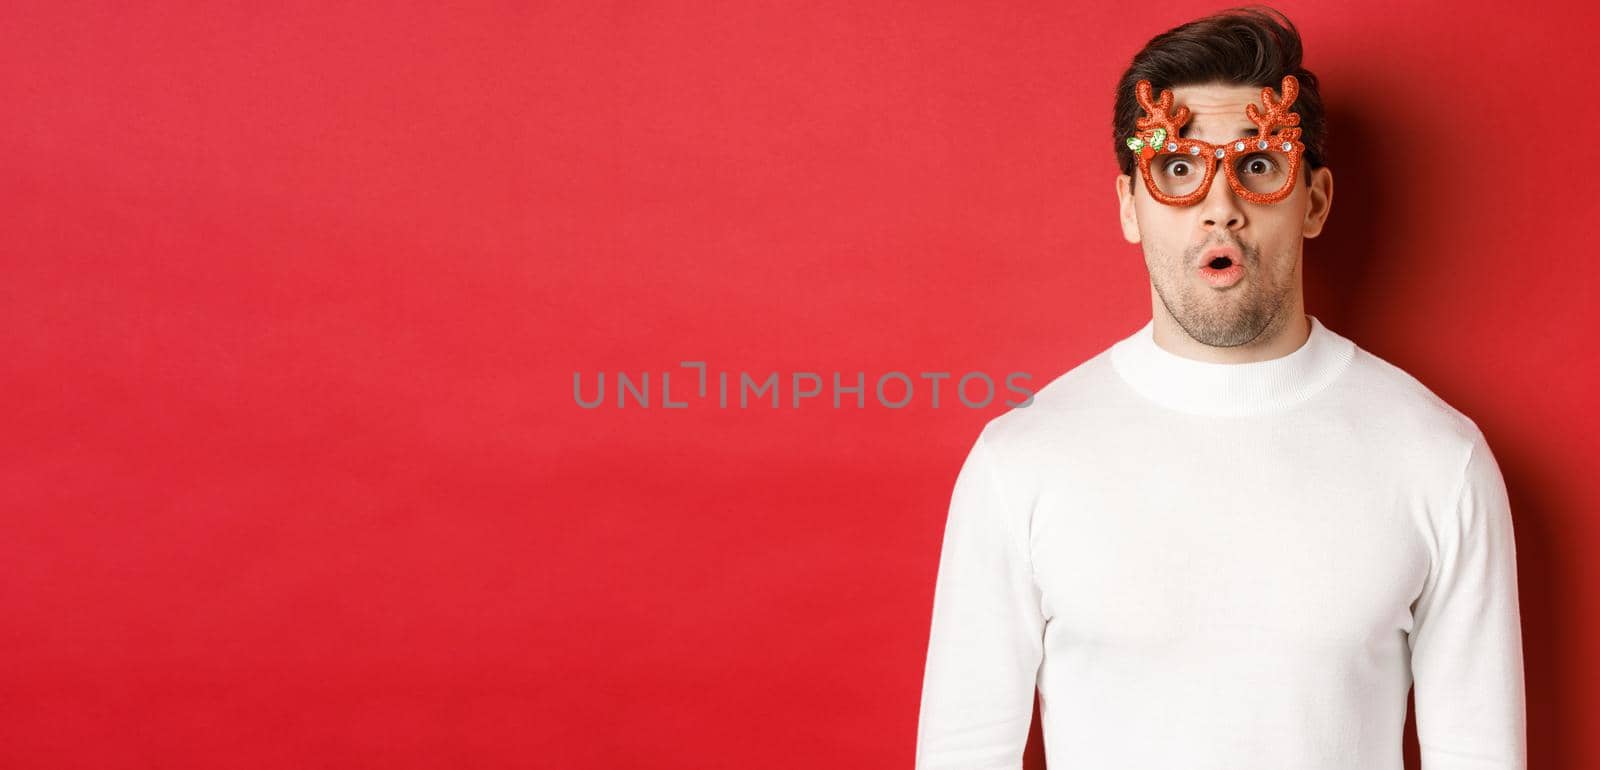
pixel 1233 539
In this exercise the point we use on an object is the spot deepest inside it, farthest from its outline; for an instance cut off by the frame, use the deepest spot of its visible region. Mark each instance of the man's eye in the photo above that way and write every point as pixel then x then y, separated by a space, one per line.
pixel 1178 168
pixel 1259 164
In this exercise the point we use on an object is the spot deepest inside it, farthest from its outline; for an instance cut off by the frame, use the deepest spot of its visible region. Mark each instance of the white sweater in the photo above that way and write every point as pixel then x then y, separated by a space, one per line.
pixel 1208 566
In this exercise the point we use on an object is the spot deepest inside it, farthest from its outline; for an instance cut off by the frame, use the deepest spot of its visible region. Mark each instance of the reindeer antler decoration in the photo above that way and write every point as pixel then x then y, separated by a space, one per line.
pixel 1277 113
pixel 1158 115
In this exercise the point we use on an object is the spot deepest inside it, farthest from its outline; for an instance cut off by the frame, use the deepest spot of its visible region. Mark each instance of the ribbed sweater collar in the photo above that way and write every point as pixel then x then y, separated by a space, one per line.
pixel 1204 387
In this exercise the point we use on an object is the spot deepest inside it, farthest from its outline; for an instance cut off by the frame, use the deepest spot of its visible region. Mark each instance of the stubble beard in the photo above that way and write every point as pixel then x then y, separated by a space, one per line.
pixel 1220 317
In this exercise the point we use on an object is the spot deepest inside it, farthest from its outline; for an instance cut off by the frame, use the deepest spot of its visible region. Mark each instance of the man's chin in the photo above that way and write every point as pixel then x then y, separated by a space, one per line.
pixel 1222 320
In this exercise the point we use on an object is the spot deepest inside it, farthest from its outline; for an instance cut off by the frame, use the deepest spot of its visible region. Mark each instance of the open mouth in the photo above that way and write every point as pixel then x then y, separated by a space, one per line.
pixel 1224 269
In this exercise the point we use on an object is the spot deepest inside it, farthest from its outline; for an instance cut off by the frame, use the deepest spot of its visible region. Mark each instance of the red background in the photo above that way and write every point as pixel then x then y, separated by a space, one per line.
pixel 294 295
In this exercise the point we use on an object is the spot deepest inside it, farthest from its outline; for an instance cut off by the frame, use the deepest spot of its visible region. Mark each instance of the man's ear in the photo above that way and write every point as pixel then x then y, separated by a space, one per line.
pixel 1130 221
pixel 1320 193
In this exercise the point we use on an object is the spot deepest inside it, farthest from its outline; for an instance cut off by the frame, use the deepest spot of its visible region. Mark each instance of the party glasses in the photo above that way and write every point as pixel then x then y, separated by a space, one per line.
pixel 1259 168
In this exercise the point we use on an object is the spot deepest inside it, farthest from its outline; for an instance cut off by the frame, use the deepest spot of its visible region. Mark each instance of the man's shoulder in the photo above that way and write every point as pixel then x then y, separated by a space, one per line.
pixel 1395 401
pixel 1406 431
pixel 1074 403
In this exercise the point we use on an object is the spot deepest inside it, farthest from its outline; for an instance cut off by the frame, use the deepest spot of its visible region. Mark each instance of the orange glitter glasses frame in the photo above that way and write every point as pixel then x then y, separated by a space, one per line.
pixel 1260 168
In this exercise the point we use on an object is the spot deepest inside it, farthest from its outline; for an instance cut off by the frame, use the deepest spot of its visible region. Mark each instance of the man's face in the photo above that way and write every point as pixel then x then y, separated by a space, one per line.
pixel 1264 239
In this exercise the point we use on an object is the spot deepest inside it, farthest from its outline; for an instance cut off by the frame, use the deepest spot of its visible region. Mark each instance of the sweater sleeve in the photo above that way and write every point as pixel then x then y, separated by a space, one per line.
pixel 1466 637
pixel 987 635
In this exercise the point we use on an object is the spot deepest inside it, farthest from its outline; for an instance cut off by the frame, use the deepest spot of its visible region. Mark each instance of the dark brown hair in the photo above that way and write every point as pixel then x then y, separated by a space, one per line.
pixel 1251 45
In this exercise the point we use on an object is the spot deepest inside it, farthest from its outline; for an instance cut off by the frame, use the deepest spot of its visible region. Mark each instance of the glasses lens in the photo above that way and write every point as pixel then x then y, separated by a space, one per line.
pixel 1177 173
pixel 1264 172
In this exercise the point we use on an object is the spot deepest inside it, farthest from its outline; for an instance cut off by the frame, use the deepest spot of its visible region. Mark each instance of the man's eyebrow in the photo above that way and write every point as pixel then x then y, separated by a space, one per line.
pixel 1187 131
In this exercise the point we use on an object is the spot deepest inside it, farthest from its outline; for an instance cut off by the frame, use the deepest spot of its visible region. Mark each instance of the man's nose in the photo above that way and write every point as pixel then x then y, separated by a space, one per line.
pixel 1220 208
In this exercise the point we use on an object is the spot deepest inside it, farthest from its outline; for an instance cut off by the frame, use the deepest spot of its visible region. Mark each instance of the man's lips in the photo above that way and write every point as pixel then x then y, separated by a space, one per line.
pixel 1231 252
pixel 1223 277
